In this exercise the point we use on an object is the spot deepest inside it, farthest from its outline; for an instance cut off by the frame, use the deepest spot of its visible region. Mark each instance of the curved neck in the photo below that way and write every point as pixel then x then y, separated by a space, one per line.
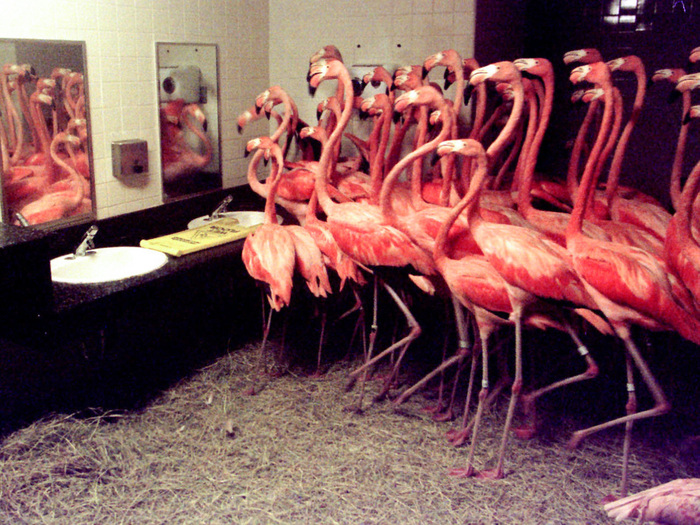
pixel 324 163
pixel 470 199
pixel 572 182
pixel 418 153
pixel 685 203
pixel 74 175
pixel 616 166
pixel 677 169
pixel 589 179
pixel 527 151
pixel 506 134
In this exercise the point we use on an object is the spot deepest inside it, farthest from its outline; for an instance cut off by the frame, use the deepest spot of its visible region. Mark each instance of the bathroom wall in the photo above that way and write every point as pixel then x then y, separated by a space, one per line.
pixel 388 32
pixel 120 37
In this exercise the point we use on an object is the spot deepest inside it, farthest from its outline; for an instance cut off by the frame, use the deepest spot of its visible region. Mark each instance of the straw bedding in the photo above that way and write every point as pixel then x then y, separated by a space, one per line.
pixel 203 452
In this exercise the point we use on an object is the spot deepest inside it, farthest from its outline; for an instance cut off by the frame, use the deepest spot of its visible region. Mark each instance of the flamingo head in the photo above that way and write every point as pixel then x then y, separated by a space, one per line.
pixel 540 67
pixel 329 51
pixel 323 70
pixel 431 62
pixel 577 96
pixel 466 147
pixel 592 94
pixel 584 56
pixel 423 95
pixel 670 74
pixel 498 72
pixel 688 82
pixel 243 119
pixel 597 73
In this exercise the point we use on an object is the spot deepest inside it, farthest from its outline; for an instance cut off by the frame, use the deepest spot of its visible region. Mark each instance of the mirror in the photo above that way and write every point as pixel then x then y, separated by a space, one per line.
pixel 189 119
pixel 44 133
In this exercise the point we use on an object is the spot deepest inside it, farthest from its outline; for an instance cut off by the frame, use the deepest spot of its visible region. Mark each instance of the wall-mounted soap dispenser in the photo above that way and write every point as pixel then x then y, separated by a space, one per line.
pixel 129 158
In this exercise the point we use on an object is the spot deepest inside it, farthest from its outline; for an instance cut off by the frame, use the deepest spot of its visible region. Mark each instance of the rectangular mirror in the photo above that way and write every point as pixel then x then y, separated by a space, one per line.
pixel 45 133
pixel 189 119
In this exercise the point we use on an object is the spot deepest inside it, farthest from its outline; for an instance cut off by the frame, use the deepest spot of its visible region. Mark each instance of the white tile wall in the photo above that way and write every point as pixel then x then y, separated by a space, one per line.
pixel 120 37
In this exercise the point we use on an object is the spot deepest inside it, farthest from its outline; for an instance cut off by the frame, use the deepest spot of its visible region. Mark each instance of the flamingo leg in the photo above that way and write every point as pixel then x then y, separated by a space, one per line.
pixel 630 408
pixel 661 404
pixel 483 395
pixel 460 436
pixel 370 349
pixel 528 430
pixel 464 346
pixel 260 364
pixel 414 332
pixel 320 342
pixel 497 473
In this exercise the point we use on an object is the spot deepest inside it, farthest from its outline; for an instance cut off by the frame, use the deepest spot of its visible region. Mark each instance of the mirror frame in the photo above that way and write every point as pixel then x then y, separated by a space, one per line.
pixel 215 143
pixel 87 216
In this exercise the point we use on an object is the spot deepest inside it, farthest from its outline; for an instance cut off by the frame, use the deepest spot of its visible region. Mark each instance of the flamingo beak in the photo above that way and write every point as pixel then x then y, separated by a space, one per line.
pixel 468 92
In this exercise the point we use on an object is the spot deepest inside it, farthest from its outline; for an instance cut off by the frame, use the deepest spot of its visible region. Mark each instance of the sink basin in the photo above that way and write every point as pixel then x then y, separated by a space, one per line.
pixel 106 264
pixel 244 218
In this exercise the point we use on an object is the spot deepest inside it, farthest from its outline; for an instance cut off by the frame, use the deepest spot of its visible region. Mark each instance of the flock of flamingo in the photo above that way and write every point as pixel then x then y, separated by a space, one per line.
pixel 43 138
pixel 465 215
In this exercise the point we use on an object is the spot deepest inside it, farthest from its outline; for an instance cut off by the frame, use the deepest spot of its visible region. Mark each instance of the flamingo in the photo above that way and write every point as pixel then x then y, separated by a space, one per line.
pixel 674 503
pixel 62 203
pixel 648 216
pixel 188 161
pixel 627 283
pixel 673 76
pixel 532 267
pixel 682 249
pixel 358 227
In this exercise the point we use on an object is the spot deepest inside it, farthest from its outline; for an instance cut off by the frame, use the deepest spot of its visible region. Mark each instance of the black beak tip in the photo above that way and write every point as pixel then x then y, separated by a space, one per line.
pixel 686 118
pixel 424 72
pixel 396 117
pixel 312 90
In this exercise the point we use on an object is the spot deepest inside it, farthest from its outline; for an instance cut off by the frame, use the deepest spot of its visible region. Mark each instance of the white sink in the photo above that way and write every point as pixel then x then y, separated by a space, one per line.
pixel 244 218
pixel 106 264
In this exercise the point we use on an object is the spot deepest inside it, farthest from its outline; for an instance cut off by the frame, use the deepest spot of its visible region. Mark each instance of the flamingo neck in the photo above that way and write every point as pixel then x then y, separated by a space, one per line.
pixel 74 175
pixel 572 182
pixel 418 153
pixel 506 134
pixel 589 178
pixel 527 153
pixel 616 166
pixel 677 168
pixel 324 163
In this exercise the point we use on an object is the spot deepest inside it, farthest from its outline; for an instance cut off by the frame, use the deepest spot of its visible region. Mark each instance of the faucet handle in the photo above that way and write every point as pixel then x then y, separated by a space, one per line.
pixel 87 242
pixel 221 207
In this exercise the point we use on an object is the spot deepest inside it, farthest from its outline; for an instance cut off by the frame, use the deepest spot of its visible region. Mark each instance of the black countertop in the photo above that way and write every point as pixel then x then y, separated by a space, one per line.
pixel 67 297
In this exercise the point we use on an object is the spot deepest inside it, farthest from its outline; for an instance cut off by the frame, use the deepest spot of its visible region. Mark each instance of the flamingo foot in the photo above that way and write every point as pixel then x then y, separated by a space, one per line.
pixel 458 437
pixel 491 474
pixel 447 415
pixel 575 441
pixel 463 472
pixel 525 432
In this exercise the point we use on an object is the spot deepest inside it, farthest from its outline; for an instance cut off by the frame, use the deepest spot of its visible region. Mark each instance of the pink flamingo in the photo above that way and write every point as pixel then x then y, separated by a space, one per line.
pixel 63 203
pixel 674 503
pixel 532 266
pixel 358 227
pixel 188 161
pixel 682 249
pixel 628 284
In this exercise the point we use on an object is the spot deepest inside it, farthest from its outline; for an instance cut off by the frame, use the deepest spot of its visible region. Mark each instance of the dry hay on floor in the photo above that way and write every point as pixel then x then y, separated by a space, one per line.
pixel 205 453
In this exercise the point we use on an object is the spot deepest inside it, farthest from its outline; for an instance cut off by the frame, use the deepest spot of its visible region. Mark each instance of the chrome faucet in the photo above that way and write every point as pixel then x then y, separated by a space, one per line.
pixel 216 214
pixel 87 242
